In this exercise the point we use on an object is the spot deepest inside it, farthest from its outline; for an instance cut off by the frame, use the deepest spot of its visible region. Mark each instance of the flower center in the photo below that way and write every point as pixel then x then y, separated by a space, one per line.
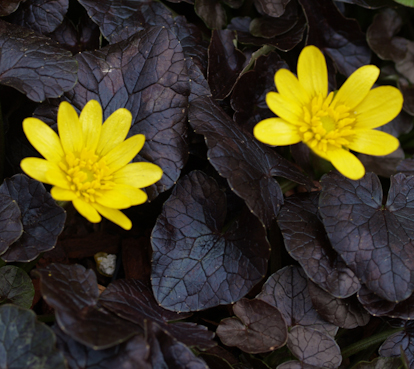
pixel 325 123
pixel 87 174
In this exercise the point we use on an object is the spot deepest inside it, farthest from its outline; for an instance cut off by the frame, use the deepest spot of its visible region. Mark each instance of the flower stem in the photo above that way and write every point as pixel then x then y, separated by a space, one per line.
pixel 367 342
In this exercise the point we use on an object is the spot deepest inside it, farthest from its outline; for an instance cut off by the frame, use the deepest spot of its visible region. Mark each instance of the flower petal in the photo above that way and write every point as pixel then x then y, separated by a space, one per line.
pixel 276 132
pixel 44 139
pixel 346 163
pixel 381 105
pixel 122 154
pixel 70 130
pixel 115 216
pixel 62 194
pixel 138 175
pixel 357 86
pixel 114 199
pixel 91 122
pixel 114 131
pixel 372 142
pixel 312 71
pixel 38 168
pixel 86 210
pixel 288 85
pixel 135 195
pixel 289 110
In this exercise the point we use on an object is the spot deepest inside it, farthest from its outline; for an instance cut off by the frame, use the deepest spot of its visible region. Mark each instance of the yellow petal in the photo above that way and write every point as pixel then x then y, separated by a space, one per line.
pixel 122 154
pixel 43 138
pixel 288 85
pixel 357 86
pixel 276 132
pixel 115 216
pixel 91 122
pixel 38 168
pixel 289 110
pixel 138 175
pixel 69 128
pixel 86 210
pixel 114 199
pixel 135 195
pixel 312 71
pixel 381 105
pixel 346 163
pixel 114 131
pixel 372 142
pixel 62 194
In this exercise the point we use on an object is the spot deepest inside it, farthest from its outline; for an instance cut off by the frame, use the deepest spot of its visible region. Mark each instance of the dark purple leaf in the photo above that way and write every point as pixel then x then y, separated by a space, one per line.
pixel 337 36
pixel 306 241
pixel 147 75
pixel 384 166
pixel 374 304
pixel 133 300
pixel 225 63
pixel 198 83
pixel 379 307
pixel 248 99
pixel 375 242
pixel 406 166
pixel 43 220
pixel 248 165
pixel 259 327
pixel 8 6
pixel 293 364
pixel 285 42
pixel 400 342
pixel 41 16
pixel 11 227
pixel 287 289
pixel 34 65
pixel 345 313
pixel 73 292
pixel 211 12
pixel 133 353
pixel 269 27
pixel 167 352
pixel 179 1
pixel 314 347
pixel 406 65
pixel 16 287
pixel 370 4
pixel 381 36
pixel 25 342
pixel 272 8
pixel 195 264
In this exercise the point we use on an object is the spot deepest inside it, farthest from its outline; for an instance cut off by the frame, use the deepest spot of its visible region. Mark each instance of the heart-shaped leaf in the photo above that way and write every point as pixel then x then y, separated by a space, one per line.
pixel 306 241
pixel 16 287
pixel 42 16
pixel 272 8
pixel 287 289
pixel 43 220
pixel 73 292
pixel 248 165
pixel 26 343
pixel 345 313
pixel 314 347
pixel 133 300
pixel 259 327
pixel 197 265
pixel 375 242
pixel 34 65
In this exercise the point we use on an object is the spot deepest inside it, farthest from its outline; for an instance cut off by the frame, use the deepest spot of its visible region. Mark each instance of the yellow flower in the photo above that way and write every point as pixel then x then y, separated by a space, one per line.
pixel 88 163
pixel 331 124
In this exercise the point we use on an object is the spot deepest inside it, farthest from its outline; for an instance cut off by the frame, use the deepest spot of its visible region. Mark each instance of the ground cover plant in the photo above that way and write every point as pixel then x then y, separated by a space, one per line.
pixel 173 196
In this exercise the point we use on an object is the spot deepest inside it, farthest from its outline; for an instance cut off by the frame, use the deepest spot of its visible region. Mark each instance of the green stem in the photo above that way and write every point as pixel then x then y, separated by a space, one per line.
pixel 367 342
